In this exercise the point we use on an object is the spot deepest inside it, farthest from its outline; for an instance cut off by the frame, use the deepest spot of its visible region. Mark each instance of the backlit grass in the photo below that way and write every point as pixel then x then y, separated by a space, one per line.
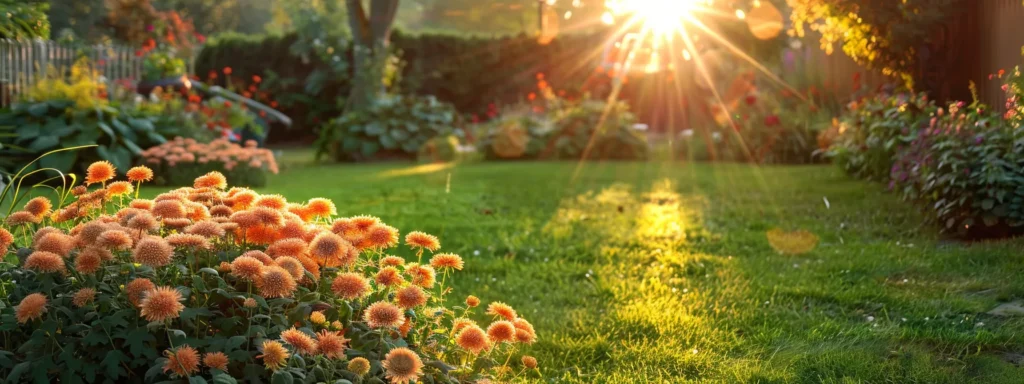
pixel 659 272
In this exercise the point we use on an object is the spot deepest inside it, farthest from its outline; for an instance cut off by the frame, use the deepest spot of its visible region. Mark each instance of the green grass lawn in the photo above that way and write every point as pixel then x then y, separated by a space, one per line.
pixel 661 272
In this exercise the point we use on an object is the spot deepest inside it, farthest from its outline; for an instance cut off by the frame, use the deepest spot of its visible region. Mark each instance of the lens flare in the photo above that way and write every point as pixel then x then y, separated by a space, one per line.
pixel 663 18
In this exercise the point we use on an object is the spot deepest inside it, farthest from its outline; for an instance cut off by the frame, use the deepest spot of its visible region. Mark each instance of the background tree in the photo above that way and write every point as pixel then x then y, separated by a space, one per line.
pixel 907 38
pixel 371 32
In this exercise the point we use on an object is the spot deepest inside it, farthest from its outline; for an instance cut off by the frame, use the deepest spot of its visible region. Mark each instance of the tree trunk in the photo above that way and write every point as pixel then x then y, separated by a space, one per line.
pixel 371 34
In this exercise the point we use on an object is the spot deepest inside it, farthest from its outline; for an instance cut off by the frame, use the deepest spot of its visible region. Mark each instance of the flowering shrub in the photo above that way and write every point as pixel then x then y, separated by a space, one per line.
pixel 179 161
pixel 874 129
pixel 441 149
pixel 209 283
pixel 396 126
pixel 519 134
pixel 597 130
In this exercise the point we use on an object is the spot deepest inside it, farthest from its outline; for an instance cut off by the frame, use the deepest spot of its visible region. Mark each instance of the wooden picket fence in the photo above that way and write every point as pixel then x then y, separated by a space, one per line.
pixel 23 62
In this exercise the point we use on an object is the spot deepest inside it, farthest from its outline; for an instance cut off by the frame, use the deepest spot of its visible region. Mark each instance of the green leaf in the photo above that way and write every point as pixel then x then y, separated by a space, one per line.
pixel 281 377
pixel 234 342
pixel 210 271
pixel 388 142
pixel 28 131
pixel 105 128
pixel 112 363
pixel 38 109
pixel 155 370
pixel 134 148
pixel 137 341
pixel 196 380
pixel 375 128
pixel 369 149
pixel 220 377
pixel 44 143
pixel 987 204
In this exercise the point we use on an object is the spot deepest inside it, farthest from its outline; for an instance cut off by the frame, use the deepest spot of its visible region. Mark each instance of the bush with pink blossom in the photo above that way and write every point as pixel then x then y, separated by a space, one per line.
pixel 181 160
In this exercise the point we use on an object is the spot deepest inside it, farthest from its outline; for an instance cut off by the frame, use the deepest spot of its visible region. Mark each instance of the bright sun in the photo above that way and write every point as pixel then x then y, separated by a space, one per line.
pixel 662 17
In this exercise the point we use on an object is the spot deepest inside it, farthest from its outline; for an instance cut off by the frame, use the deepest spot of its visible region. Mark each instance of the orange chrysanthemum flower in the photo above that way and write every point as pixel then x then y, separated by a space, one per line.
pixel 410 297
pixel 472 339
pixel 402 366
pixel 320 207
pixel 6 240
pixel 360 366
pixel 188 240
pixel 393 261
pixel 472 301
pixel 302 343
pixel 90 260
pixel 39 206
pixel 525 337
pixel 422 275
pixel 292 265
pixel 389 277
pixel 447 260
pixel 120 188
pixel 115 240
pixel 162 303
pixel 99 172
pixel 32 307
pixel 83 297
pixel 293 229
pixel 275 282
pixel 143 204
pixel 268 216
pixel 350 286
pixel 169 209
pixel 502 331
pixel 529 362
pixel 247 268
pixel 260 234
pixel 182 362
pixel 143 222
pixel 300 211
pixel 311 266
pixel 22 218
pixel 55 242
pixel 405 328
pixel 206 228
pixel 344 227
pixel 330 250
pixel 221 211
pixel 250 303
pixel 178 224
pixel 139 174
pixel 213 179
pixel 274 355
pixel 136 290
pixel 153 251
pixel 259 255
pixel 196 212
pixel 498 308
pixel 287 247
pixel 89 232
pixel 216 360
pixel 277 202
pixel 318 317
pixel 383 314
pixel 461 323
pixel 382 236
pixel 419 239
pixel 45 262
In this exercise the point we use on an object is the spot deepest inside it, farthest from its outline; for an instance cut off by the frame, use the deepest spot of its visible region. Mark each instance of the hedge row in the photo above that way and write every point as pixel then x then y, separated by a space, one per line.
pixel 471 73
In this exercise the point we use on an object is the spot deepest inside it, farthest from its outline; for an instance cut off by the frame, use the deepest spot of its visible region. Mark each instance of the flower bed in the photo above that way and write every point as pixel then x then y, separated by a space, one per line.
pixel 210 283
pixel 181 160
pixel 964 164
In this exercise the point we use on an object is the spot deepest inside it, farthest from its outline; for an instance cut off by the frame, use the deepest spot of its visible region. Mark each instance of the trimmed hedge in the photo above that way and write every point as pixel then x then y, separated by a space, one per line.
pixel 470 73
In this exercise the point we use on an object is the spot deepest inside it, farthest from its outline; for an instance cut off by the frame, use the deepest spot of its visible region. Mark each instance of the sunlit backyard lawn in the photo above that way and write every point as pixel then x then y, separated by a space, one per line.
pixel 661 272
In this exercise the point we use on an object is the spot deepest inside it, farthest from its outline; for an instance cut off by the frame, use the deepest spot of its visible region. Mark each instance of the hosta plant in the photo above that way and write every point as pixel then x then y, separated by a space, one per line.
pixel 178 162
pixel 514 136
pixel 394 127
pixel 206 283
pixel 596 130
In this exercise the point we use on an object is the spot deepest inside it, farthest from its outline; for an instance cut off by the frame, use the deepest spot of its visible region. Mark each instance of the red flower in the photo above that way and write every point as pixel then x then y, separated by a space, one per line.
pixel 200 38
pixel 532 96
pixel 751 99
pixel 540 76
pixel 212 75
pixel 263 113
pixel 227 70
pixel 772 121
pixel 273 104
pixel 256 79
pixel 227 104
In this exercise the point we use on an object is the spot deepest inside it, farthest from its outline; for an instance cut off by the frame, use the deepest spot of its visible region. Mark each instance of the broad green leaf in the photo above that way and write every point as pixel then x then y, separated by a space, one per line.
pixel 44 143
pixel 369 149
pixel 38 109
pixel 281 377
pixel 388 142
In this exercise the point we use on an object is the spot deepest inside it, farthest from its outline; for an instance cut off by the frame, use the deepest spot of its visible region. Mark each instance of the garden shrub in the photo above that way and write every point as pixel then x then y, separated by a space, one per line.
pixel 206 283
pixel 440 149
pixel 875 129
pixel 764 128
pixel 178 162
pixel 606 128
pixel 121 132
pixel 394 127
pixel 516 135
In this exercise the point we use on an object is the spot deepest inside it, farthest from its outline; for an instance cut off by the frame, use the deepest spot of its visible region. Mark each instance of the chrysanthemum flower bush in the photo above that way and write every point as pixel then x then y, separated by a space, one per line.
pixel 206 283
pixel 181 160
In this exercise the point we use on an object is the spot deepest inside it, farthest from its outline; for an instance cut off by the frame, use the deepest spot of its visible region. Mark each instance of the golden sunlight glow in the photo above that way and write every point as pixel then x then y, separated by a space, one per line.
pixel 663 18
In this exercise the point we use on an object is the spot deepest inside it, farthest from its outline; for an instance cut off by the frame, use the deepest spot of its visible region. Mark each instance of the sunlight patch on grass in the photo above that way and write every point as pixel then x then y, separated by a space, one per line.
pixel 422 169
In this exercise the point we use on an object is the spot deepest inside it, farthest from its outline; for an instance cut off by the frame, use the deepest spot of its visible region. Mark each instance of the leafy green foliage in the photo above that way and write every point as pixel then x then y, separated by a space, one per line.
pixel 887 35
pixel 21 19
pixel 121 131
pixel 161 65
pixel 440 149
pixel 395 126
pixel 596 130
pixel 875 129
pixel 516 135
